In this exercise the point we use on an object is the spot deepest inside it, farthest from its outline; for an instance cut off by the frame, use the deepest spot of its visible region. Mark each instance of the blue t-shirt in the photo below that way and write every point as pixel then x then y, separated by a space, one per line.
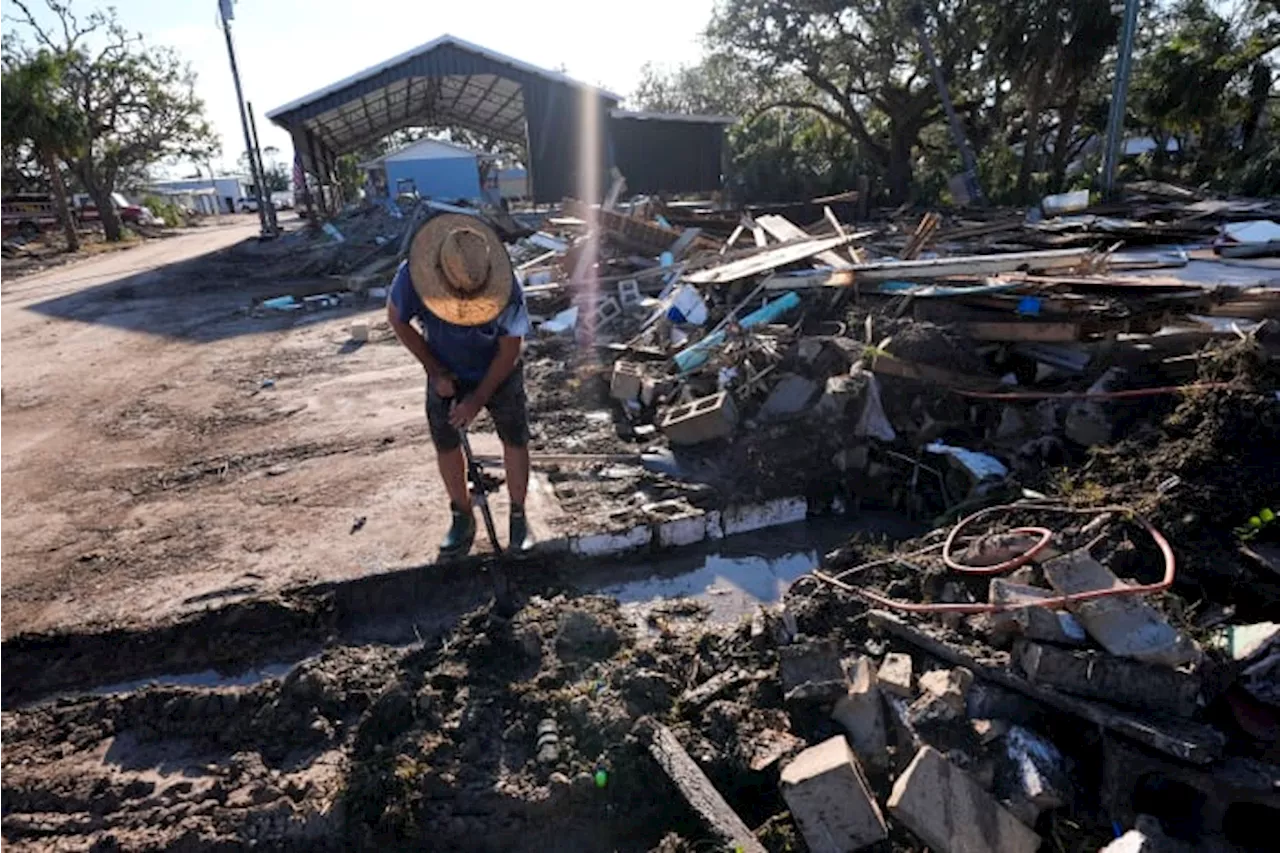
pixel 467 351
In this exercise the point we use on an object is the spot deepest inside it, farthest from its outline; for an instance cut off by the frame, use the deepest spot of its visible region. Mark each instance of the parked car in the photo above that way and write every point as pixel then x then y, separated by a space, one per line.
pixel 248 204
pixel 130 214
pixel 282 200
pixel 27 214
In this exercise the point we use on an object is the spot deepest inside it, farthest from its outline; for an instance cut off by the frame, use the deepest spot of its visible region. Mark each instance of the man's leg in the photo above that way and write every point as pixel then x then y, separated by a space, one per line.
pixel 453 471
pixel 510 415
pixel 515 459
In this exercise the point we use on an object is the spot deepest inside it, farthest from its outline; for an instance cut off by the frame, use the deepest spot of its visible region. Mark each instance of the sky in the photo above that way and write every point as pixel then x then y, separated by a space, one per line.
pixel 288 48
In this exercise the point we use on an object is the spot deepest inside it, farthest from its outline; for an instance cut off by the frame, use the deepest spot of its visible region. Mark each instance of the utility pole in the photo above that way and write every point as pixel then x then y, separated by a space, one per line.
pixel 262 169
pixel 916 14
pixel 224 7
pixel 1119 94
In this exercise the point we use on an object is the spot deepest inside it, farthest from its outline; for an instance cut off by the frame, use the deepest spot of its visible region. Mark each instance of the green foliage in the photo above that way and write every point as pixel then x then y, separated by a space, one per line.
pixel 165 209
pixel 828 91
pixel 133 104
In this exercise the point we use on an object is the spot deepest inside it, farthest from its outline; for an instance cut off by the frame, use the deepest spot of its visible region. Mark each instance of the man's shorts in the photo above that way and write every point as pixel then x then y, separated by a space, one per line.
pixel 507 407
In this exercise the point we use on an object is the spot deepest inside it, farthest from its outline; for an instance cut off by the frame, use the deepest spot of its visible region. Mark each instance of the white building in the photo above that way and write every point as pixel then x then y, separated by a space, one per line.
pixel 228 189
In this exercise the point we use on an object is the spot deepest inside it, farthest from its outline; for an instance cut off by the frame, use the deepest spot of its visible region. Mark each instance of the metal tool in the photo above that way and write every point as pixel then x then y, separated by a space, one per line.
pixel 482 483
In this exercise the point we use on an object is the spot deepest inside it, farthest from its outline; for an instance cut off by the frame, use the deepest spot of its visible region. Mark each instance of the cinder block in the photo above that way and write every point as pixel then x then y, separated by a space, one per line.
pixel 607 310
pixel 895 674
pixel 704 419
pixel 951 813
pixel 627 380
pixel 861 714
pixel 812 672
pixel 359 331
pixel 1032 622
pixel 827 792
pixel 628 292
pixel 942 696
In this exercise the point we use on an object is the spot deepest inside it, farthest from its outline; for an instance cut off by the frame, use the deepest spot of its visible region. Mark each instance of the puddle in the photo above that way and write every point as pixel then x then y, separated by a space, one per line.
pixel 733 576
pixel 203 678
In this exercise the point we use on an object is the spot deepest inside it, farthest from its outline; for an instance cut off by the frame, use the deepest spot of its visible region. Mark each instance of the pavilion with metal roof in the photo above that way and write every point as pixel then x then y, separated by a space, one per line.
pixel 571 133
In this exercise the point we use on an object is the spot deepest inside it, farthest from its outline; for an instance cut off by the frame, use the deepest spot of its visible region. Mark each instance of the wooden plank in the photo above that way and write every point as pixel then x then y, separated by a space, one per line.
pixel 696 789
pixel 1185 740
pixel 888 365
pixel 970 265
pixel 770 259
pixel 1045 333
pixel 786 231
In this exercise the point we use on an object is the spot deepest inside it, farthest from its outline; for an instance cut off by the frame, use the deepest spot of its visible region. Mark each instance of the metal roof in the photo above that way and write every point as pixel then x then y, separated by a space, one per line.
pixel 652 116
pixel 445 82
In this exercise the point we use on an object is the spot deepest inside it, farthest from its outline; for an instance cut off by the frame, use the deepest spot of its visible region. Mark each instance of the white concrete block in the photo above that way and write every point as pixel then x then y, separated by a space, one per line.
pixel 951 813
pixel 828 795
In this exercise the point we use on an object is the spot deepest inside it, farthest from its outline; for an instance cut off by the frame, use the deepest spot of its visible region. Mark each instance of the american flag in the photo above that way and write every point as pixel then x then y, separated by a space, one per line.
pixel 299 176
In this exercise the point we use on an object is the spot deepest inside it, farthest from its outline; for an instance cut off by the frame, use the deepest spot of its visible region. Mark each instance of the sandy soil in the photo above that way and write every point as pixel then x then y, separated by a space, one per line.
pixel 148 471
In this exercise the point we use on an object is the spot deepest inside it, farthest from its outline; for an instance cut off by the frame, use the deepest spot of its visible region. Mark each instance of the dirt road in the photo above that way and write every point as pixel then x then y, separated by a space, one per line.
pixel 166 448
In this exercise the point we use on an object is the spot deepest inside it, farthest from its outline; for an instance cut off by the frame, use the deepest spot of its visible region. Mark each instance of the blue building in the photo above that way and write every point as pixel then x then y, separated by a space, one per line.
pixel 432 168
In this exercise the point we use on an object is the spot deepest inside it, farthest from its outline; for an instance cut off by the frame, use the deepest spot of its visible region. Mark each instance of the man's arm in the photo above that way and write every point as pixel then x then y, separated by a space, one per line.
pixel 416 344
pixel 499 369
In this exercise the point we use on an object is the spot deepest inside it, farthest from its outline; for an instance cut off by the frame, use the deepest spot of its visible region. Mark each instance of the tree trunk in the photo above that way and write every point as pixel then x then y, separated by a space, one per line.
pixel 1030 135
pixel 107 211
pixel 69 225
pixel 899 167
pixel 99 190
pixel 1062 142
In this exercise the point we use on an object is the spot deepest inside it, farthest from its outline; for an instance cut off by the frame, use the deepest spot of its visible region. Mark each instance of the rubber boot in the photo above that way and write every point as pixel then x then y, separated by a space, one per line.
pixel 462 533
pixel 522 539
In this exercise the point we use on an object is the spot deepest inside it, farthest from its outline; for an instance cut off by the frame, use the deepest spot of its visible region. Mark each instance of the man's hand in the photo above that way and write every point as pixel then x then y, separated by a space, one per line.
pixel 443 383
pixel 464 412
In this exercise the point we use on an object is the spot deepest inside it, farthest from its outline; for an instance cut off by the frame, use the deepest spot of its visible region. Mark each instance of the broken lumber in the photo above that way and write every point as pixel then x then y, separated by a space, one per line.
pixel 1023 331
pixel 1182 739
pixel 971 265
pixel 696 789
pixel 1097 675
pixel 770 259
pixel 786 231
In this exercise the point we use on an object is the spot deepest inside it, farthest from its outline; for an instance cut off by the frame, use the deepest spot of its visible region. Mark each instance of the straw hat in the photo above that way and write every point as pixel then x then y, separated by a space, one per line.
pixel 460 269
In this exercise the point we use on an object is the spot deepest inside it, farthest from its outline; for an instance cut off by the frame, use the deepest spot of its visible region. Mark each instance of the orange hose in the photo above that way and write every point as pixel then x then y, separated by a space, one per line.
pixel 1170 570
pixel 1090 395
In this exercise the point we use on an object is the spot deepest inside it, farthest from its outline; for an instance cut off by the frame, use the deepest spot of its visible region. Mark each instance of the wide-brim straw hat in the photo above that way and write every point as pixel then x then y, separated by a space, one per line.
pixel 461 270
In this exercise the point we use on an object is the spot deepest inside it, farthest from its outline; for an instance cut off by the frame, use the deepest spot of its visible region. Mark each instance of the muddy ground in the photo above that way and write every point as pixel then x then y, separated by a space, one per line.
pixel 181 465
pixel 167 448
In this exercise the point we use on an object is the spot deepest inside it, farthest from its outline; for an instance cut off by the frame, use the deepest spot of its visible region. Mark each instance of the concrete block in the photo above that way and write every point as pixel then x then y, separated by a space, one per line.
pixel 359 331
pixel 861 714
pixel 744 519
pixel 1124 625
pixel 839 392
pixel 1088 422
pixel 895 674
pixel 951 813
pixel 604 544
pixel 629 292
pixel 676 523
pixel 627 381
pixel 827 792
pixel 790 396
pixel 607 310
pixel 943 695
pixel 1034 623
pixel 704 419
pixel 812 672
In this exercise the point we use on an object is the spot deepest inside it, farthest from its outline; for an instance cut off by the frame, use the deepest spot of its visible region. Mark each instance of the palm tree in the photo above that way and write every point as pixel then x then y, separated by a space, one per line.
pixel 34 114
